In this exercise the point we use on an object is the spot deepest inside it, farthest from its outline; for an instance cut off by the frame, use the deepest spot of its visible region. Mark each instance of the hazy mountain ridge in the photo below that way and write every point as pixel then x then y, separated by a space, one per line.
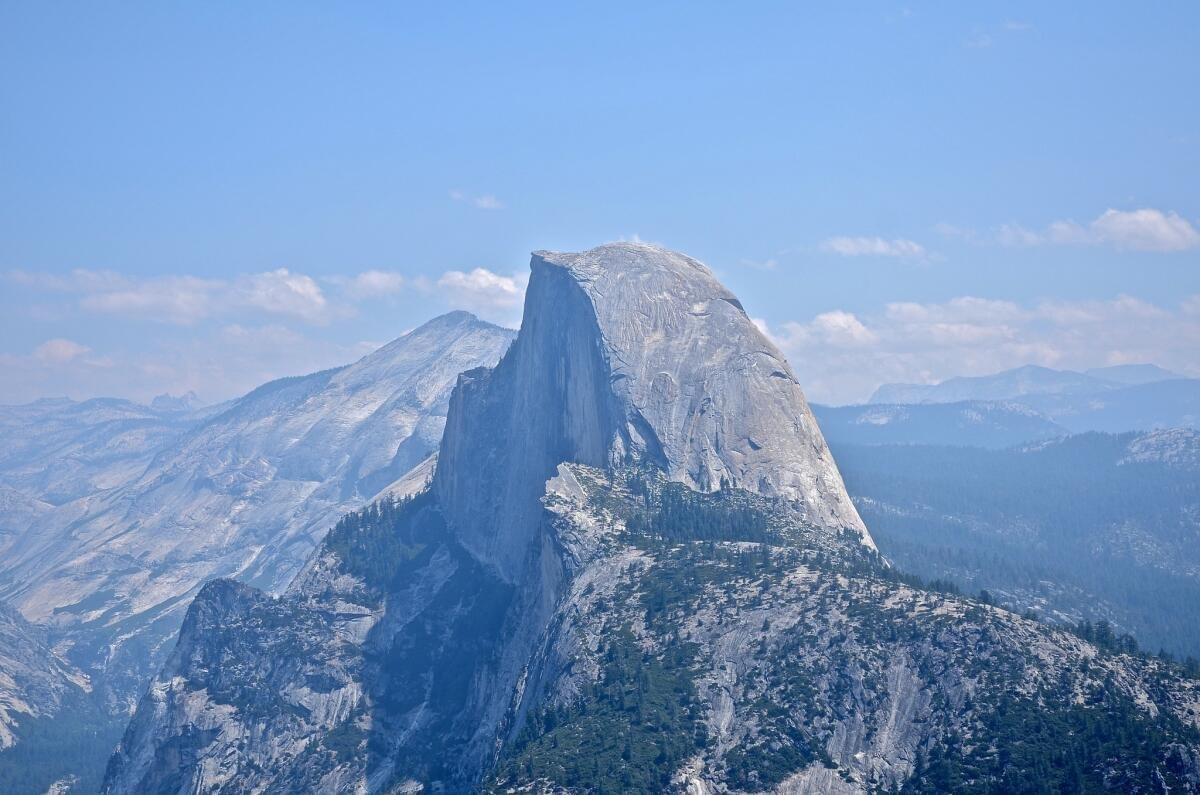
pixel 244 489
pixel 1093 526
pixel 1021 381
pixel 1132 374
pixel 59 450
pixel 974 423
pixel 666 581
pixel 34 680
pixel 1110 399
pixel 1162 404
pixel 251 465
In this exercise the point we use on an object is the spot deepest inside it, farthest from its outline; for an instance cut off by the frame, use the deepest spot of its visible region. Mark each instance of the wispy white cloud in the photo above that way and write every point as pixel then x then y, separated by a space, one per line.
pixel 240 331
pixel 1015 236
pixel 488 294
pixel 185 300
pixel 216 363
pixel 281 292
pixel 173 299
pixel 842 357
pixel 873 246
pixel 768 264
pixel 835 329
pixel 374 284
pixel 59 351
pixel 484 201
pixel 79 280
pixel 1145 229
pixel 982 37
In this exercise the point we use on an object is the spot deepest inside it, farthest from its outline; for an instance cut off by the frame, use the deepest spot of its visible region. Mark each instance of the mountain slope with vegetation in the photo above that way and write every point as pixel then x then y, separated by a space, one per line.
pixel 1084 528
pixel 637 569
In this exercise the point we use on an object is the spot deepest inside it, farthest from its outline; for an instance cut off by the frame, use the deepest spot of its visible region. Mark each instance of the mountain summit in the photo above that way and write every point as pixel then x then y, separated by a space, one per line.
pixel 629 352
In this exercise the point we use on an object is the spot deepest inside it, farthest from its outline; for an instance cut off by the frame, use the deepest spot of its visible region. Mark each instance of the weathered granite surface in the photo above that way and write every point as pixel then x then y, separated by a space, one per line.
pixel 629 352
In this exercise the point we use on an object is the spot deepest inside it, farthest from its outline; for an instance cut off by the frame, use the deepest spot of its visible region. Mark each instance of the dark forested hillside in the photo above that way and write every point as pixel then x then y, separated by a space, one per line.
pixel 1095 526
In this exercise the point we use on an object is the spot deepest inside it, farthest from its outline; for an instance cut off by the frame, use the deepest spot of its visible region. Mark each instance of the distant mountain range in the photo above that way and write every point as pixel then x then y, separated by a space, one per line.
pixel 113 514
pixel 971 423
pixel 1028 380
pixel 1092 526
pixel 1020 405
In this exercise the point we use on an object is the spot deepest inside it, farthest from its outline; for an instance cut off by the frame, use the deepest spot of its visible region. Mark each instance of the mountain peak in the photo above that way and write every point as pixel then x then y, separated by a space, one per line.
pixel 709 395
pixel 642 271
pixel 623 254
pixel 169 402
pixel 436 335
pixel 455 317
pixel 630 351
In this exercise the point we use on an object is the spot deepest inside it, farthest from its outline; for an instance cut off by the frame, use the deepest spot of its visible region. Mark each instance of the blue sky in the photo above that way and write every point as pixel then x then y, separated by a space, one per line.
pixel 207 197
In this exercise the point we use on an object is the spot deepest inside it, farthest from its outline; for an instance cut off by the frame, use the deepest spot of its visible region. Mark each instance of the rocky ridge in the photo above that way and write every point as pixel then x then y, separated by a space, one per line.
pixel 126 510
pixel 34 680
pixel 629 352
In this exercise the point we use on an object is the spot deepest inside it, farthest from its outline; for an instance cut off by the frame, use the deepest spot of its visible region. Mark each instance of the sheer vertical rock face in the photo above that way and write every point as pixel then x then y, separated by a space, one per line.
pixel 630 350
pixel 547 401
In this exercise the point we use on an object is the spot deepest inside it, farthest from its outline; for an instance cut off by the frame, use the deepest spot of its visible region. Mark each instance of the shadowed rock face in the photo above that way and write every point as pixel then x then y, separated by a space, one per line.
pixel 34 681
pixel 632 352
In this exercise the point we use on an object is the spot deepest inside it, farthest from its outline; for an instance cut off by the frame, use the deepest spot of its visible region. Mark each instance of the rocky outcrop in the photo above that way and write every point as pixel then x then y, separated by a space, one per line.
pixel 34 680
pixel 788 665
pixel 53 732
pixel 700 390
pixel 1178 448
pixel 629 352
pixel 789 675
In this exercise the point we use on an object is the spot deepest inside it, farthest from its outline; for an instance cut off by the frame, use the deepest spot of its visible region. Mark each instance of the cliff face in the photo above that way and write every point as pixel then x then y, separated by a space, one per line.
pixel 629 352
pixel 547 401
pixel 702 392
pixel 34 680
pixel 712 644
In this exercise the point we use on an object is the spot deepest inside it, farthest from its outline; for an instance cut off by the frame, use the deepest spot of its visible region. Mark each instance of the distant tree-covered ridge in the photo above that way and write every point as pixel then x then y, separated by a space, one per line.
pixel 1087 528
